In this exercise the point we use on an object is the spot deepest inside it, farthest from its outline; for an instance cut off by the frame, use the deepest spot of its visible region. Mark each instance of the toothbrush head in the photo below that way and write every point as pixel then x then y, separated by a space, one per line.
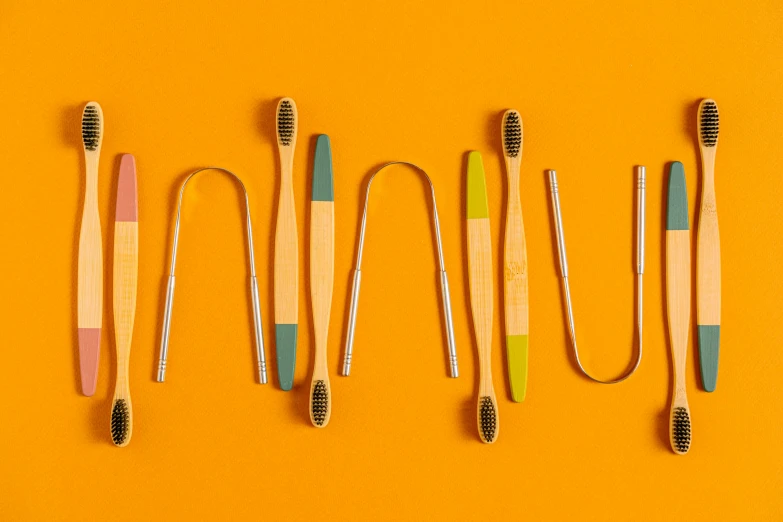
pixel 92 126
pixel 681 430
pixel 512 134
pixel 319 404
pixel 488 419
pixel 120 425
pixel 708 123
pixel 286 123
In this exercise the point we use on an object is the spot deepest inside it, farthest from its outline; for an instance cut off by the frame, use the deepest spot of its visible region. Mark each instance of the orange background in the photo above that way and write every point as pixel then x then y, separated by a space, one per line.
pixel 601 86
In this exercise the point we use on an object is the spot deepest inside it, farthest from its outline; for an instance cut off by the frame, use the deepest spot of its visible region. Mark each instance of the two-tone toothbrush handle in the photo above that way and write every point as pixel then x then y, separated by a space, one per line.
pixel 286 287
pixel 90 280
pixel 286 249
pixel 708 287
pixel 321 277
pixel 515 286
pixel 125 284
pixel 481 292
pixel 678 301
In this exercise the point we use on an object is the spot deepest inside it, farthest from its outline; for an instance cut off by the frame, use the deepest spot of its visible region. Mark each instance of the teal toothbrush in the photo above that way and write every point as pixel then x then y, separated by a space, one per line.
pixel 321 277
pixel 708 251
pixel 286 264
pixel 678 302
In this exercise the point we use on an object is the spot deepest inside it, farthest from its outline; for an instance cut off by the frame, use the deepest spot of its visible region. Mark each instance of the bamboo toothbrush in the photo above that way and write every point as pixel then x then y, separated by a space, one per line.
pixel 321 276
pixel 708 251
pixel 126 274
pixel 480 275
pixel 678 302
pixel 90 282
pixel 515 262
pixel 286 249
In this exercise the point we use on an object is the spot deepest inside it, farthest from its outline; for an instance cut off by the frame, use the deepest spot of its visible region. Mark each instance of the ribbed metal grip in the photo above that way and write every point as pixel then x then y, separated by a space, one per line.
pixel 640 211
pixel 446 297
pixel 357 281
pixel 561 249
pixel 260 357
pixel 164 338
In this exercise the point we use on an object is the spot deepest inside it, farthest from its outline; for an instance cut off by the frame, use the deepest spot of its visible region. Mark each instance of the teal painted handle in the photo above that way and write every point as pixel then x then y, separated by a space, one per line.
pixel 677 199
pixel 323 177
pixel 285 346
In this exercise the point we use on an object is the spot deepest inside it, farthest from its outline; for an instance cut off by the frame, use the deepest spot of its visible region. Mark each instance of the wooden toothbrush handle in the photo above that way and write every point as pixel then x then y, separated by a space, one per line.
pixel 286 274
pixel 481 299
pixel 90 292
pixel 678 301
pixel 125 283
pixel 321 290
pixel 515 286
pixel 286 264
pixel 708 250
pixel 90 280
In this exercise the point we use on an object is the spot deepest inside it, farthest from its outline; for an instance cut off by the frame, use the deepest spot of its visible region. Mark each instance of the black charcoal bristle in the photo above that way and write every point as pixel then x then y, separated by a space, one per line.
pixel 320 403
pixel 91 127
pixel 120 427
pixel 708 123
pixel 512 134
pixel 285 123
pixel 681 429
pixel 487 419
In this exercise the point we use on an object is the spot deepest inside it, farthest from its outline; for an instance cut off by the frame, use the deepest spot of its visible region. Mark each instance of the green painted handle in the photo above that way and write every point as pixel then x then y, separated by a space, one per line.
pixel 323 178
pixel 677 199
pixel 516 349
pixel 478 205
pixel 709 345
pixel 285 346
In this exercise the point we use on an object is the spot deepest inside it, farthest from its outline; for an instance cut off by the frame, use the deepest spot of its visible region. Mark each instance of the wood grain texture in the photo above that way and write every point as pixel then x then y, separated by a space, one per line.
pixel 481 301
pixel 515 280
pixel 708 246
pixel 321 290
pixel 678 309
pixel 90 277
pixel 125 283
pixel 90 283
pixel 286 262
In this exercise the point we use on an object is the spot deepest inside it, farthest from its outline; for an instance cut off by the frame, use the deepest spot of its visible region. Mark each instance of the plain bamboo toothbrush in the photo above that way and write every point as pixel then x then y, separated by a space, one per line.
pixel 286 249
pixel 678 302
pixel 708 251
pixel 126 273
pixel 90 282
pixel 515 261
pixel 321 277
pixel 480 275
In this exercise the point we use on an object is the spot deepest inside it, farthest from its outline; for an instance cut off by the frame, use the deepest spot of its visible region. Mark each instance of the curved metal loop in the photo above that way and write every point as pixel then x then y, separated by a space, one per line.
pixel 444 283
pixel 435 219
pixel 164 342
pixel 175 244
pixel 640 222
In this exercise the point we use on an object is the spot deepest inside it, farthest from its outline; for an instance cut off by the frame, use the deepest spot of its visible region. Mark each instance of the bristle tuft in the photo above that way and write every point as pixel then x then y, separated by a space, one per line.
pixel 286 123
pixel 120 425
pixel 681 430
pixel 91 127
pixel 512 134
pixel 487 419
pixel 708 123
pixel 320 403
